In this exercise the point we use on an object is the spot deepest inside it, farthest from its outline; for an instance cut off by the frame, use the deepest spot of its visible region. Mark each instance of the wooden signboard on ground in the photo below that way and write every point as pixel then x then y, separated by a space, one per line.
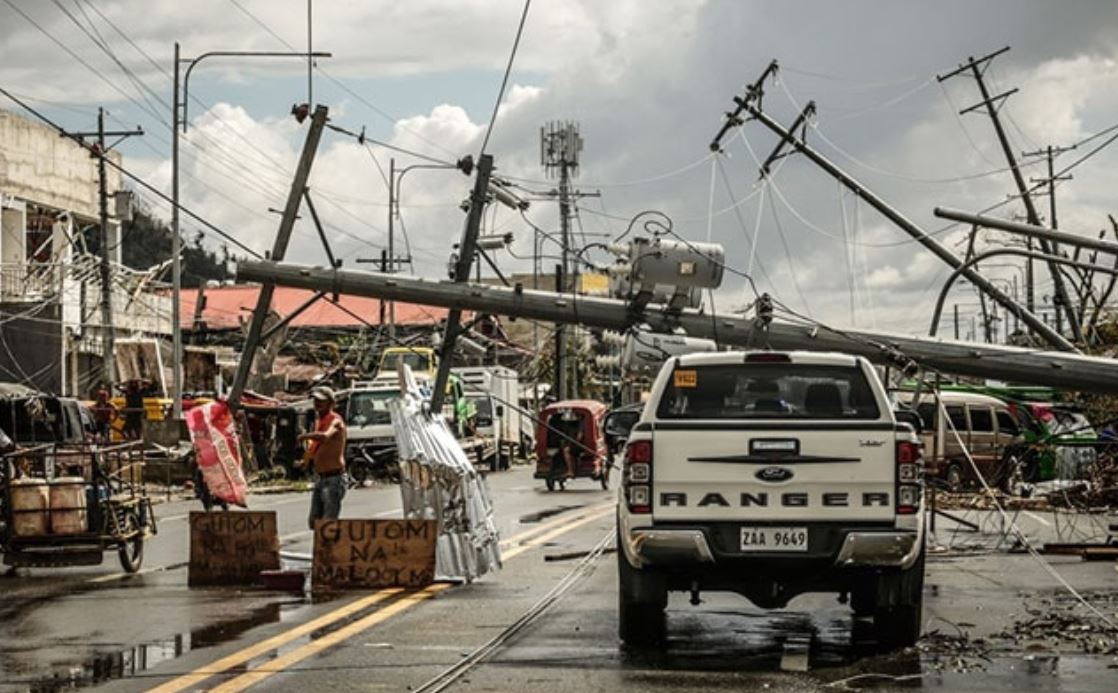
pixel 355 554
pixel 231 548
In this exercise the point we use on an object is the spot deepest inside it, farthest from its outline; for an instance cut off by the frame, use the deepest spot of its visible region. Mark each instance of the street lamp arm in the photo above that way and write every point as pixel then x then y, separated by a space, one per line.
pixel 191 62
pixel 938 312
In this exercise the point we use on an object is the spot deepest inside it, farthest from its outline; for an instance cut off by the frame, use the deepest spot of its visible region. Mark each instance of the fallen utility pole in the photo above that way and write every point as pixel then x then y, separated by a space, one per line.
pixel 990 102
pixel 466 250
pixel 908 226
pixel 1051 368
pixel 1027 230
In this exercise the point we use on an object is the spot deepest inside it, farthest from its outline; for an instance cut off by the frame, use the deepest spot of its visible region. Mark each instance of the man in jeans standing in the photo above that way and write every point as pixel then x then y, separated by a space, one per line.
pixel 327 454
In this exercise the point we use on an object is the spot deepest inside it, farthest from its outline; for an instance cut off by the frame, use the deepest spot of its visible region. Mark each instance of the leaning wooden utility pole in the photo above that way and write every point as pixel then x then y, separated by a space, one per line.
pixel 283 236
pixel 466 250
pixel 977 68
pixel 100 150
pixel 908 226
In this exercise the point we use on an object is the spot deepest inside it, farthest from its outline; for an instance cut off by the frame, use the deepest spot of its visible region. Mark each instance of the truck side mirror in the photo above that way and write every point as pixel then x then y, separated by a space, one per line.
pixel 500 411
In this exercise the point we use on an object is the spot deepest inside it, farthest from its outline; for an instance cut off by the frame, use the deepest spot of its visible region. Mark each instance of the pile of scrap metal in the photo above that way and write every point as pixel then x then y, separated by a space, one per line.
pixel 437 482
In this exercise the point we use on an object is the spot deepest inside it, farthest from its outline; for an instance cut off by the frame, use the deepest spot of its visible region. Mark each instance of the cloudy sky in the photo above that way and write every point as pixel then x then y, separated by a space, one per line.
pixel 647 81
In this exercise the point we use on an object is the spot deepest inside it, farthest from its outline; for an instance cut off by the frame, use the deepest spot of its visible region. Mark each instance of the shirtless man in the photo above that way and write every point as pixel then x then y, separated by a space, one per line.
pixel 327 454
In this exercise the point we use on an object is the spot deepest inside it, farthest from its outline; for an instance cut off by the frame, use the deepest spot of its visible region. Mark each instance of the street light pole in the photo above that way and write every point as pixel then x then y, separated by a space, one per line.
pixel 395 179
pixel 391 245
pixel 176 252
pixel 178 103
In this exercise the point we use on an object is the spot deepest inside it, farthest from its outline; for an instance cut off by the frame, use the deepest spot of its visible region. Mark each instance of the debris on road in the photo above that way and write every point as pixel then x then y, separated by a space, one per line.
pixel 1061 624
pixel 437 482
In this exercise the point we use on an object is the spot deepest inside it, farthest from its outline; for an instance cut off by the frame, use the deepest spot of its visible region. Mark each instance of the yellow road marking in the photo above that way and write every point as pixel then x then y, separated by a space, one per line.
pixel 561 520
pixel 279 664
pixel 253 651
pixel 548 536
pixel 519 544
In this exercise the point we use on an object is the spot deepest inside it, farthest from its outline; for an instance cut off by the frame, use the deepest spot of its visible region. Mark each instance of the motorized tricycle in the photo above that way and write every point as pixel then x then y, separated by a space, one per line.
pixel 66 506
pixel 571 443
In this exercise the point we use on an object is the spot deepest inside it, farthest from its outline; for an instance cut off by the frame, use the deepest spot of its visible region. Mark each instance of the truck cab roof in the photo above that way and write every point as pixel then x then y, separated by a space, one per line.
pixel 822 358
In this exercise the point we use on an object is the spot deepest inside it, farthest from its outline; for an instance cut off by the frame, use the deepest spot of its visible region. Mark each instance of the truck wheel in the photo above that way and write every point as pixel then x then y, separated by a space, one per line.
pixel 642 598
pixel 898 623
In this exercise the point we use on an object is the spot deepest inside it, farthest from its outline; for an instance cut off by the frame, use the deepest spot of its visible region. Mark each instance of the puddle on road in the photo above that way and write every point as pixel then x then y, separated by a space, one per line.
pixel 128 662
pixel 843 654
pixel 544 514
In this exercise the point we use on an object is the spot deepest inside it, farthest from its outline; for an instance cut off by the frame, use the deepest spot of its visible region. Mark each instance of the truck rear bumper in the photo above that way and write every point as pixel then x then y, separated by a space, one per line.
pixel 878 550
pixel 668 546
pixel 681 547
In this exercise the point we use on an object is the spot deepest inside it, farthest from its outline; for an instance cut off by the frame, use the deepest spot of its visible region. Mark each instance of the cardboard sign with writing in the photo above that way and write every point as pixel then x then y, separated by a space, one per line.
pixel 350 554
pixel 231 548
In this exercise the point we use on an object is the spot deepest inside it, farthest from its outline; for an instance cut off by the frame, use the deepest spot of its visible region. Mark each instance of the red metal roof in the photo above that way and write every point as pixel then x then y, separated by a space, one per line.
pixel 226 305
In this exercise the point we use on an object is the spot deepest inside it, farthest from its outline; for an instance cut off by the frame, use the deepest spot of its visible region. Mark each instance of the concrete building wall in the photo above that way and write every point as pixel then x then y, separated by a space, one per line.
pixel 39 165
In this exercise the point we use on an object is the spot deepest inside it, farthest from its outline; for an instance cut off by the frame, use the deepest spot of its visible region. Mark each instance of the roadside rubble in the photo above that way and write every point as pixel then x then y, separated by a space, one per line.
pixel 957 652
pixel 1061 624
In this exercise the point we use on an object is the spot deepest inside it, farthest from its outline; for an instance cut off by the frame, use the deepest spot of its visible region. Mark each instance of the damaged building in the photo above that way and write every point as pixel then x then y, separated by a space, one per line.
pixel 50 279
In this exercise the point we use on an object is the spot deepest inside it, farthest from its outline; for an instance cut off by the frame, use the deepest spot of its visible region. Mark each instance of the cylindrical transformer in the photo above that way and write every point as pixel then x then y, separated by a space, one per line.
pixel 649 350
pixel 664 261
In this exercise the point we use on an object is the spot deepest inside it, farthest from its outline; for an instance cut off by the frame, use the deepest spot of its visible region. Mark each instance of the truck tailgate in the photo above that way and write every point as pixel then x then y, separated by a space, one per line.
pixel 737 471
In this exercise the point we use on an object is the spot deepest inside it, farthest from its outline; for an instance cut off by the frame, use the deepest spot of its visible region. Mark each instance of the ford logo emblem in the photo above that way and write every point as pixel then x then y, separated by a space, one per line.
pixel 774 474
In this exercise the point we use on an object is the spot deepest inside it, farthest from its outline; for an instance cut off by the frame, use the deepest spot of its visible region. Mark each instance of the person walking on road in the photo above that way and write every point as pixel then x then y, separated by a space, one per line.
pixel 326 452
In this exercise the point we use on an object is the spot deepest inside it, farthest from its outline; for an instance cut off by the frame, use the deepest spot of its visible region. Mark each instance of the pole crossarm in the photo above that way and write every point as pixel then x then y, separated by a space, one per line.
pixel 996 252
pixel 754 92
pixel 1028 230
pixel 1049 368
pixel 908 226
pixel 777 152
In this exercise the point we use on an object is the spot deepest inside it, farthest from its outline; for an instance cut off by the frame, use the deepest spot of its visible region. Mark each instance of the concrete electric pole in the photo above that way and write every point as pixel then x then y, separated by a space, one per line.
pixel 101 150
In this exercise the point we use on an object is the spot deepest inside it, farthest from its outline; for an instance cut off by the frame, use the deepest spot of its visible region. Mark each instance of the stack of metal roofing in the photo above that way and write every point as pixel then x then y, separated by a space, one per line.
pixel 437 482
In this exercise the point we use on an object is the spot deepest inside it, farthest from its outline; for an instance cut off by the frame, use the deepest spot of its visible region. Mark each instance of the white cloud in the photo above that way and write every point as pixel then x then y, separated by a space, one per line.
pixel 648 83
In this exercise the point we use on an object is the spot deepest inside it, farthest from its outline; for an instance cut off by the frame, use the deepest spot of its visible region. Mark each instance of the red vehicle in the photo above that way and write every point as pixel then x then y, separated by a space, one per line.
pixel 571 443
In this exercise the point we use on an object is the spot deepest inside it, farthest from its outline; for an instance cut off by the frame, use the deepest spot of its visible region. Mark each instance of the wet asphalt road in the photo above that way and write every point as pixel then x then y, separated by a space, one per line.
pixel 64 628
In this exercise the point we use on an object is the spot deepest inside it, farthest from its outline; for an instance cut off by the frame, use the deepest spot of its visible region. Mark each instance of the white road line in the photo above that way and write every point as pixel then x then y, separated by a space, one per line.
pixel 302 497
pixel 1036 517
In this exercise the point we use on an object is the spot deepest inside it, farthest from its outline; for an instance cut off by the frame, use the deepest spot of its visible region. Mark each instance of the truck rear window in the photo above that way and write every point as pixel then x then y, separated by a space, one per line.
pixel 768 391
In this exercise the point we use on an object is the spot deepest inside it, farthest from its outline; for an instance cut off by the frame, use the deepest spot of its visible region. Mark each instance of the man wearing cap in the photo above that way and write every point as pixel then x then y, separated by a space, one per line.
pixel 327 454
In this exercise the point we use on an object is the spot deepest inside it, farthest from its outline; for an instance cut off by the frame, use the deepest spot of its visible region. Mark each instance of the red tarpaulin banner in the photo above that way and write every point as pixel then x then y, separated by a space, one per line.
pixel 217 450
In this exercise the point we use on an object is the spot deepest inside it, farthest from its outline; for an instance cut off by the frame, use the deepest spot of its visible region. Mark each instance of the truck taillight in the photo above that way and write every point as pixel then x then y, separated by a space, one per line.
pixel 909 460
pixel 636 477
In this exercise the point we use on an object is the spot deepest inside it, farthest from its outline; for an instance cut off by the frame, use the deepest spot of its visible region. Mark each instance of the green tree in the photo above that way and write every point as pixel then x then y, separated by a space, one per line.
pixel 147 241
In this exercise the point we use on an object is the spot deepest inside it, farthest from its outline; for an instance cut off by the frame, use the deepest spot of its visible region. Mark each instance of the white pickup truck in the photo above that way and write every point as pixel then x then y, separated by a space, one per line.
pixel 771 474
